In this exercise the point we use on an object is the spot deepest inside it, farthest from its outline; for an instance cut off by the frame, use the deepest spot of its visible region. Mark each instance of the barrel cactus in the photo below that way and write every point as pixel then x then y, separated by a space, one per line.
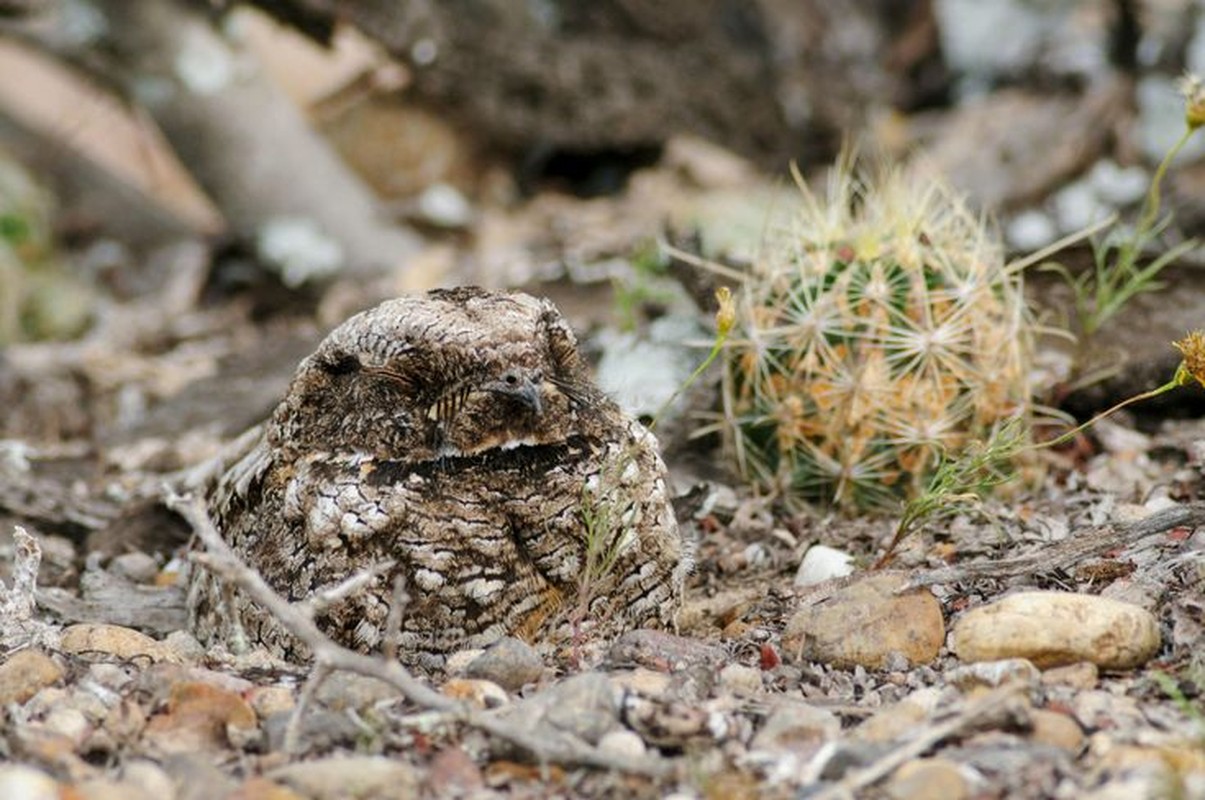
pixel 879 328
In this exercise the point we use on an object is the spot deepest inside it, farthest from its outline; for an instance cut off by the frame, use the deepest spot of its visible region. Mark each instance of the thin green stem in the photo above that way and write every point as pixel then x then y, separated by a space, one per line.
pixel 1069 435
pixel 716 349
pixel 1151 207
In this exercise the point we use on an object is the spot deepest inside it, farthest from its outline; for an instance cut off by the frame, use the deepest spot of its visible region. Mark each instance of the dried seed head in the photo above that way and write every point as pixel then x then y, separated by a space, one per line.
pixel 1192 347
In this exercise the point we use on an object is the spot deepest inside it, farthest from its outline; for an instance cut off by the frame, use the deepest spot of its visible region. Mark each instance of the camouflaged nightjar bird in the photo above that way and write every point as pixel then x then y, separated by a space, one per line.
pixel 458 436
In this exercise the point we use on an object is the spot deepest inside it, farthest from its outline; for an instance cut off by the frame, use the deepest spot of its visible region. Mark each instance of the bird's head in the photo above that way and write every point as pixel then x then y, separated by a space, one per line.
pixel 456 372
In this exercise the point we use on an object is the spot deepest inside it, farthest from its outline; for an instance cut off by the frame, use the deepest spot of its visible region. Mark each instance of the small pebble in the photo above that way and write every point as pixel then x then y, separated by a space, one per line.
pixel 739 679
pixel 110 676
pixel 459 661
pixel 443 205
pixel 1083 675
pixel 864 623
pixel 649 683
pixel 101 788
pixel 663 651
pixel 481 693
pixel 70 723
pixel 453 773
pixel 1056 729
pixel 26 672
pixel 349 776
pixel 355 692
pixel 27 783
pixel 150 778
pixel 792 725
pixel 184 646
pixel 137 567
pixel 900 719
pixel 928 779
pixel 585 705
pixel 622 743
pixel 821 563
pixel 995 673
pixel 1031 230
pixel 508 662
pixel 91 640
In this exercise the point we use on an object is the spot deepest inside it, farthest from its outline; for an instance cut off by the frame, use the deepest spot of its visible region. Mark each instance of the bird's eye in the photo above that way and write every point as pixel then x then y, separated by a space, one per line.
pixel 511 379
pixel 341 364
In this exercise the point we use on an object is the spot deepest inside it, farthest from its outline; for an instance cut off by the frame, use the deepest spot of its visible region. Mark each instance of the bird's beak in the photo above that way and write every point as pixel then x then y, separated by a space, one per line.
pixel 529 393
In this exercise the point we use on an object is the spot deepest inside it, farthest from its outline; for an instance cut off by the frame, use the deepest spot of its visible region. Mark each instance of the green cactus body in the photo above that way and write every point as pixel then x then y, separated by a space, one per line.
pixel 878 329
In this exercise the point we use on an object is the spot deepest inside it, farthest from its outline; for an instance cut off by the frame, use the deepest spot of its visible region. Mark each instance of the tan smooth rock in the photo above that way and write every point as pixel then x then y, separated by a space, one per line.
pixel 928 779
pixel 269 700
pixel 27 783
pixel 899 720
pixel 990 674
pixel 25 673
pixel 349 776
pixel 150 779
pixel 741 679
pixel 108 789
pixel 264 789
pixel 201 718
pixel 1058 730
pixel 863 623
pixel 794 725
pixel 481 693
pixel 114 640
pixel 1058 628
pixel 1083 675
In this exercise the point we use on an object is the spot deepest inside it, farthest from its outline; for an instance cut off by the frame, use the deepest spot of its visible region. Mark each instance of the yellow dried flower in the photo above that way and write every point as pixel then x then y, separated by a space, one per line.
pixel 1193 90
pixel 1192 347
pixel 725 316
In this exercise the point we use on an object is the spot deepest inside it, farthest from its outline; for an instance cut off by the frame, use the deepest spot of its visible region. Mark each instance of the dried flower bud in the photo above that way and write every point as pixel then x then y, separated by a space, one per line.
pixel 1193 90
pixel 725 316
pixel 1192 367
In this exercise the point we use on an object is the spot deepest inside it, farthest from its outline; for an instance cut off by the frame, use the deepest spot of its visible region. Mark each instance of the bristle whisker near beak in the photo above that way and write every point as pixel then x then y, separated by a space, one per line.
pixel 573 391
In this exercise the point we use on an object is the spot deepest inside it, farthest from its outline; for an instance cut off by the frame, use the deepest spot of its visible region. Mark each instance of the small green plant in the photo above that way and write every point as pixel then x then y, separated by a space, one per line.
pixel 606 532
pixel 962 480
pixel 1121 264
pixel 604 508
pixel 39 297
pixel 14 229
pixel 1171 687
pixel 641 288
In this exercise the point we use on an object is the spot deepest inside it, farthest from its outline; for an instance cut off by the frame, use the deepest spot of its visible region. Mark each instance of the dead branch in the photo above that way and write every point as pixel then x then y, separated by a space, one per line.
pixel 19 627
pixel 1067 553
pixel 330 656
pixel 333 595
pixel 982 712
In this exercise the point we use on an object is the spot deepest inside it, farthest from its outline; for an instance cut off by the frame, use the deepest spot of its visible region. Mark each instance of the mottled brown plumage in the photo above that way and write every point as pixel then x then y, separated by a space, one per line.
pixel 458 436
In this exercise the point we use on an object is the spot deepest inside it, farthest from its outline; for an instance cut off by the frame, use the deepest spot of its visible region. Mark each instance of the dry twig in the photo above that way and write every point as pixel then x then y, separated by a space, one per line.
pixel 1067 553
pixel 981 712
pixel 336 594
pixel 330 657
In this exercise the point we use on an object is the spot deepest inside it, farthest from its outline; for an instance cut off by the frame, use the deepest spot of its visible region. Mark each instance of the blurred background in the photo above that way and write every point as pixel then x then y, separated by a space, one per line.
pixel 162 158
